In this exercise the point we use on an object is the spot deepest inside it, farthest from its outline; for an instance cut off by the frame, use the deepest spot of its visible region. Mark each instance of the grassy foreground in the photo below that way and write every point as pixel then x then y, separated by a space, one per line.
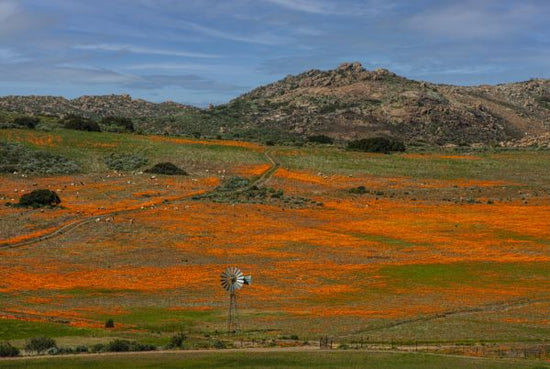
pixel 243 360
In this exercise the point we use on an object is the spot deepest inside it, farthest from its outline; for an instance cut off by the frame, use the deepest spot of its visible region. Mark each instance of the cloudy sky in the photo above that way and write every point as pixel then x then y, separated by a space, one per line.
pixel 209 51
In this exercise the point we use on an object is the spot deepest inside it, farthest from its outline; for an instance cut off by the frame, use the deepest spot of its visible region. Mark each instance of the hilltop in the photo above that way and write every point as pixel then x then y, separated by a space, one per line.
pixel 346 103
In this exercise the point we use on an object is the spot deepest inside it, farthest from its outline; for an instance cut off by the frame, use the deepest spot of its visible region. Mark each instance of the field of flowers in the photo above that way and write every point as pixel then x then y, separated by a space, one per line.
pixel 440 247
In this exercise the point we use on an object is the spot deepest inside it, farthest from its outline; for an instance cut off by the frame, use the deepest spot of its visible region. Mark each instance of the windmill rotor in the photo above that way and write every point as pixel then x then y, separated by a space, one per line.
pixel 232 279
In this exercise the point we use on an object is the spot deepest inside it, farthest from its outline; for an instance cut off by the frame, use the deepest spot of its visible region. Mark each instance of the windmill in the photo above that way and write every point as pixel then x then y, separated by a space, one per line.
pixel 233 279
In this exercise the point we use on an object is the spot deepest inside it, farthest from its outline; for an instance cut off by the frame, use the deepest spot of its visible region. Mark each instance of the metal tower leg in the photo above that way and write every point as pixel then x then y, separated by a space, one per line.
pixel 232 317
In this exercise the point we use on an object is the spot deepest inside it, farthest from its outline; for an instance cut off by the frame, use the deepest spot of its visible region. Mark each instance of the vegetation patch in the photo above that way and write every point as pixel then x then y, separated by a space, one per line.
pixel 117 124
pixel 239 190
pixel 166 168
pixel 18 158
pixel 377 144
pixel 39 198
pixel 80 123
pixel 7 350
pixel 125 162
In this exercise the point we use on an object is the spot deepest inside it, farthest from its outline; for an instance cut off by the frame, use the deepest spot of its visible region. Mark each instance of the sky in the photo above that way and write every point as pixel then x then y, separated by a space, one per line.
pixel 209 51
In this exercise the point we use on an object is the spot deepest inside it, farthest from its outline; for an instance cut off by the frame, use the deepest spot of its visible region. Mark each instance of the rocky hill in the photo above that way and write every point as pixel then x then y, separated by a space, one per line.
pixel 345 103
pixel 90 106
pixel 351 102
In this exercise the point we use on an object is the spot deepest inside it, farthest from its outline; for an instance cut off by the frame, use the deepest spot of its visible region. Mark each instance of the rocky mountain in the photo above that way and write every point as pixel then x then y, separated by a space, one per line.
pixel 351 102
pixel 346 103
pixel 90 106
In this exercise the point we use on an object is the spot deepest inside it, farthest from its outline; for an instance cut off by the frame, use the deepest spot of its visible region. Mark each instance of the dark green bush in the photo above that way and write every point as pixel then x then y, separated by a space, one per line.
pixel 219 345
pixel 7 350
pixel 98 347
pixel 124 124
pixel 119 345
pixel 26 121
pixel 322 139
pixel 166 168
pixel 40 344
pixel 80 123
pixel 39 198
pixel 177 340
pixel 81 348
pixel 358 190
pixel 377 144
pixel 125 162
pixel 18 158
pixel 110 323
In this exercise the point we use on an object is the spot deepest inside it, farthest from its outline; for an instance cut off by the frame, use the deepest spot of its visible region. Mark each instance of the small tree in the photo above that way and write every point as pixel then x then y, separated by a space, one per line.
pixel 123 123
pixel 110 323
pixel 80 123
pixel 39 198
pixel 166 168
pixel 322 139
pixel 177 340
pixel 7 350
pixel 377 144
pixel 40 344
pixel 27 121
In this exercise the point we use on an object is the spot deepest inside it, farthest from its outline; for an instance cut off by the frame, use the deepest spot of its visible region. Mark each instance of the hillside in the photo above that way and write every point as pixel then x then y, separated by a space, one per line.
pixel 351 102
pixel 345 103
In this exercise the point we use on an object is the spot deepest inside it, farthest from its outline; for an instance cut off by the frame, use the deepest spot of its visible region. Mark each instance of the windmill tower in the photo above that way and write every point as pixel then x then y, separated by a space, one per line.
pixel 233 279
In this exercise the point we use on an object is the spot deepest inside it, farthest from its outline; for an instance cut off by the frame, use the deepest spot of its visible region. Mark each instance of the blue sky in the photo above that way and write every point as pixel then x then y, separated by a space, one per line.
pixel 209 51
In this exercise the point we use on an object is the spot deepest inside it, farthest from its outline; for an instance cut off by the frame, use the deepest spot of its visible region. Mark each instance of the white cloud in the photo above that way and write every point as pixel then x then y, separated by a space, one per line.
pixel 8 56
pixel 143 50
pixel 262 38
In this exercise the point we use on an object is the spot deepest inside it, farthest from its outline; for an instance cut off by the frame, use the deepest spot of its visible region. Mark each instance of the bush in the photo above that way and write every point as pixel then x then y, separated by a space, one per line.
pixel 81 349
pixel 358 190
pixel 177 341
pixel 18 158
pixel 73 121
pixel 7 350
pixel 98 347
pixel 377 144
pixel 322 139
pixel 166 168
pixel 115 124
pixel 220 345
pixel 119 345
pixel 40 344
pixel 39 198
pixel 26 121
pixel 110 323
pixel 125 162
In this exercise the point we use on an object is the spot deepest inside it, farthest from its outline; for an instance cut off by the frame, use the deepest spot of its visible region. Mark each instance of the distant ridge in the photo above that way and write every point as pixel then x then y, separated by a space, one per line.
pixel 345 103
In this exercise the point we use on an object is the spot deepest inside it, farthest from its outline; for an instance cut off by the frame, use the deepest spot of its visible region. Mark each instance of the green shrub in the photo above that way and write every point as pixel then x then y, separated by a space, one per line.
pixel 358 190
pixel 98 347
pixel 119 345
pixel 117 124
pixel 81 348
pixel 7 350
pixel 18 158
pixel 110 323
pixel 177 340
pixel 26 121
pixel 166 168
pixel 39 198
pixel 322 139
pixel 80 123
pixel 125 162
pixel 40 344
pixel 219 345
pixel 377 144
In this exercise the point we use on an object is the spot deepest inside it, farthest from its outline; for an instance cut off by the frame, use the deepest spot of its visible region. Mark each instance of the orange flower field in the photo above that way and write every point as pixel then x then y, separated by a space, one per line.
pixel 358 265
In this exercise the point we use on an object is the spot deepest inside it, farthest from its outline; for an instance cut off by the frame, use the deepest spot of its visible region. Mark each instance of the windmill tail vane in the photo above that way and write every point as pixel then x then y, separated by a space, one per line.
pixel 232 279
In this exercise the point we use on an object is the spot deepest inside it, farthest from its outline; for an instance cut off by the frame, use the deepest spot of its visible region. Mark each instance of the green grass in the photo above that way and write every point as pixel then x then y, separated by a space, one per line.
pixel 91 148
pixel 465 273
pixel 162 320
pixel 18 329
pixel 515 166
pixel 242 360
